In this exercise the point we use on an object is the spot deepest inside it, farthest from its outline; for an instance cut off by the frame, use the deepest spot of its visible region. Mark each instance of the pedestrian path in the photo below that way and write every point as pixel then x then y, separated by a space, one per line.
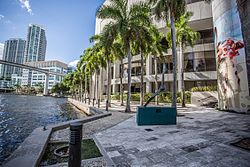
pixel 201 137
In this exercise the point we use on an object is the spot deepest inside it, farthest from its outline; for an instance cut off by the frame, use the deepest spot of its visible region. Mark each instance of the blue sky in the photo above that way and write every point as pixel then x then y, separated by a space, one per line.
pixel 68 24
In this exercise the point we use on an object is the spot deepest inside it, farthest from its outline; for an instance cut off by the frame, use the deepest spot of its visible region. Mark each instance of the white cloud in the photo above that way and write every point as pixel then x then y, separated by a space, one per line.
pixel 73 63
pixel 26 5
pixel 1 17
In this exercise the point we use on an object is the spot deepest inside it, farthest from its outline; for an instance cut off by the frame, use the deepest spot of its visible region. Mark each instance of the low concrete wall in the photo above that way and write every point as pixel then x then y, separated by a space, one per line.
pixel 30 152
pixel 81 106
pixel 204 98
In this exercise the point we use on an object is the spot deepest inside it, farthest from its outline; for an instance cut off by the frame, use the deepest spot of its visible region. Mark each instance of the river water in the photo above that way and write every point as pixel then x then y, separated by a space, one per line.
pixel 20 115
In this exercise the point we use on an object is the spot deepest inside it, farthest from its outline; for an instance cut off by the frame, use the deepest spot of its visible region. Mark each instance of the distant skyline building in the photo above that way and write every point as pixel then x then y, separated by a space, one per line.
pixel 36 44
pixel 1 56
pixel 13 52
pixel 34 78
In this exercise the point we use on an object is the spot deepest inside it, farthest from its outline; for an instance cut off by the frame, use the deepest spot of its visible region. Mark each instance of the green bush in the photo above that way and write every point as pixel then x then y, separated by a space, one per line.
pixel 188 97
pixel 135 97
pixel 164 97
pixel 204 88
pixel 147 96
pixel 115 96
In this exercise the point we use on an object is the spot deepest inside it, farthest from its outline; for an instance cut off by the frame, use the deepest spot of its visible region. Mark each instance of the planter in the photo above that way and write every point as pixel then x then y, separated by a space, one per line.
pixel 156 116
pixel 62 151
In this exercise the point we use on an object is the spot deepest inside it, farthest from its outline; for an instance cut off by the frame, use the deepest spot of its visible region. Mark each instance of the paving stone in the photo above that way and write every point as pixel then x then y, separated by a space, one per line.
pixel 201 141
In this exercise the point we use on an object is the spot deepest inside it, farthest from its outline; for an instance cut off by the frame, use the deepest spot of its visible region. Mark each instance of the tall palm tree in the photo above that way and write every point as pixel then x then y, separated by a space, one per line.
pixel 142 45
pixel 119 53
pixel 80 66
pixel 104 41
pixel 184 35
pixel 170 9
pixel 127 20
pixel 90 68
pixel 99 62
pixel 157 50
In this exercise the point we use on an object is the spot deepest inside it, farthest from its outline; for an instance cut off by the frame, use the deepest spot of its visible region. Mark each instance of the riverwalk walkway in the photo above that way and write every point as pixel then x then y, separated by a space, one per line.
pixel 202 137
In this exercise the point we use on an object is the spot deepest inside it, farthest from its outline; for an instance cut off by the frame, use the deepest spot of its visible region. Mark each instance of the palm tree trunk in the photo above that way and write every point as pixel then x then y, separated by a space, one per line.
pixel 97 90
pixel 96 87
pixel 90 91
pixel 156 82
pixel 108 86
pixel 173 36
pixel 94 93
pixel 81 89
pixel 142 82
pixel 121 83
pixel 128 109
pixel 85 87
pixel 182 77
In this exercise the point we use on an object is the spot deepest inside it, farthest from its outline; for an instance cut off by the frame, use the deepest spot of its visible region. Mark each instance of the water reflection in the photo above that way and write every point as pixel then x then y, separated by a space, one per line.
pixel 20 115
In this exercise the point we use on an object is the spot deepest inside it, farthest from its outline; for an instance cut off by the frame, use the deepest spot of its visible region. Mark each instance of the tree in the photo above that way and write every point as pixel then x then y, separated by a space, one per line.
pixel 156 49
pixel 104 41
pixel 142 46
pixel 170 9
pixel 119 53
pixel 184 35
pixel 127 21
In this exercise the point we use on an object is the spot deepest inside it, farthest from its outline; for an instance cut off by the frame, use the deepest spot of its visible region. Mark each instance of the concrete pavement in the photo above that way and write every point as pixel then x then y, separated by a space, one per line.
pixel 201 137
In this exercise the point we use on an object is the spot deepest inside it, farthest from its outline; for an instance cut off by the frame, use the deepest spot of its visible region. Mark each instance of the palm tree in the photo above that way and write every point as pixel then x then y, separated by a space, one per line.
pixel 80 66
pixel 104 41
pixel 142 45
pixel 99 62
pixel 184 35
pixel 127 21
pixel 157 50
pixel 170 9
pixel 119 53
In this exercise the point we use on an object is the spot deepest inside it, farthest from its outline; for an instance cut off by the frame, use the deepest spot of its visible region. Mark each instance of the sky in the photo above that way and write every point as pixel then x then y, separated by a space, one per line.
pixel 68 24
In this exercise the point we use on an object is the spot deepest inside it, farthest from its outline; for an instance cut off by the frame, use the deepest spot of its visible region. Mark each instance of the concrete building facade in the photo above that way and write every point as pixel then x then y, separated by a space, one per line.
pixel 222 24
pixel 36 44
pixel 199 61
pixel 232 53
pixel 34 78
pixel 1 56
pixel 13 52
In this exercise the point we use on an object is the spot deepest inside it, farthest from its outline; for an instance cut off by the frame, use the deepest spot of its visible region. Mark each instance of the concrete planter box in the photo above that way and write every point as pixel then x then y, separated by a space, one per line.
pixel 156 116
pixel 204 98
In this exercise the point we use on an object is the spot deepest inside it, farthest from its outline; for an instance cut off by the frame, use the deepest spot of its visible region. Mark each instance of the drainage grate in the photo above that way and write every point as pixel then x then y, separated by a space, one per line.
pixel 149 130
pixel 174 131
pixel 152 139
pixel 190 148
pixel 243 143
pixel 180 115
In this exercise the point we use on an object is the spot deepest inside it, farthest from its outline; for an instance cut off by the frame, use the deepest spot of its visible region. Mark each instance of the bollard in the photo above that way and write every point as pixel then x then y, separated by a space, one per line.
pixel 75 145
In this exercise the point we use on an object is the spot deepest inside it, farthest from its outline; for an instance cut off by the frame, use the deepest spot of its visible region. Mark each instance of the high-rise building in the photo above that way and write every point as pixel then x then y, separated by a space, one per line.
pixel 1 56
pixel 36 44
pixel 34 78
pixel 223 26
pixel 13 52
pixel 199 61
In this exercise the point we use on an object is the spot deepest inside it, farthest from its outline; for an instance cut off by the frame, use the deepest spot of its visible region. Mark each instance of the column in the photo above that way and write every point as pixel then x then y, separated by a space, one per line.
pixel 46 85
pixel 233 90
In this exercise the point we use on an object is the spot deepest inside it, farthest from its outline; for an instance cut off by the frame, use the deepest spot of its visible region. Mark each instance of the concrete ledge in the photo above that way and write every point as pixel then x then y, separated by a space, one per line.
pixel 81 106
pixel 30 152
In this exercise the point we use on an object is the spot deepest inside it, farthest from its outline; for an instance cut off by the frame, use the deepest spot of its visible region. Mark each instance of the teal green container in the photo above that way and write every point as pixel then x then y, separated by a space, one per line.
pixel 156 116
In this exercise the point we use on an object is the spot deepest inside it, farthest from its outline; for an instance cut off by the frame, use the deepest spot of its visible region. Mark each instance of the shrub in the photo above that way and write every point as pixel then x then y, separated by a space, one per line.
pixel 135 97
pixel 115 96
pixel 204 88
pixel 188 96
